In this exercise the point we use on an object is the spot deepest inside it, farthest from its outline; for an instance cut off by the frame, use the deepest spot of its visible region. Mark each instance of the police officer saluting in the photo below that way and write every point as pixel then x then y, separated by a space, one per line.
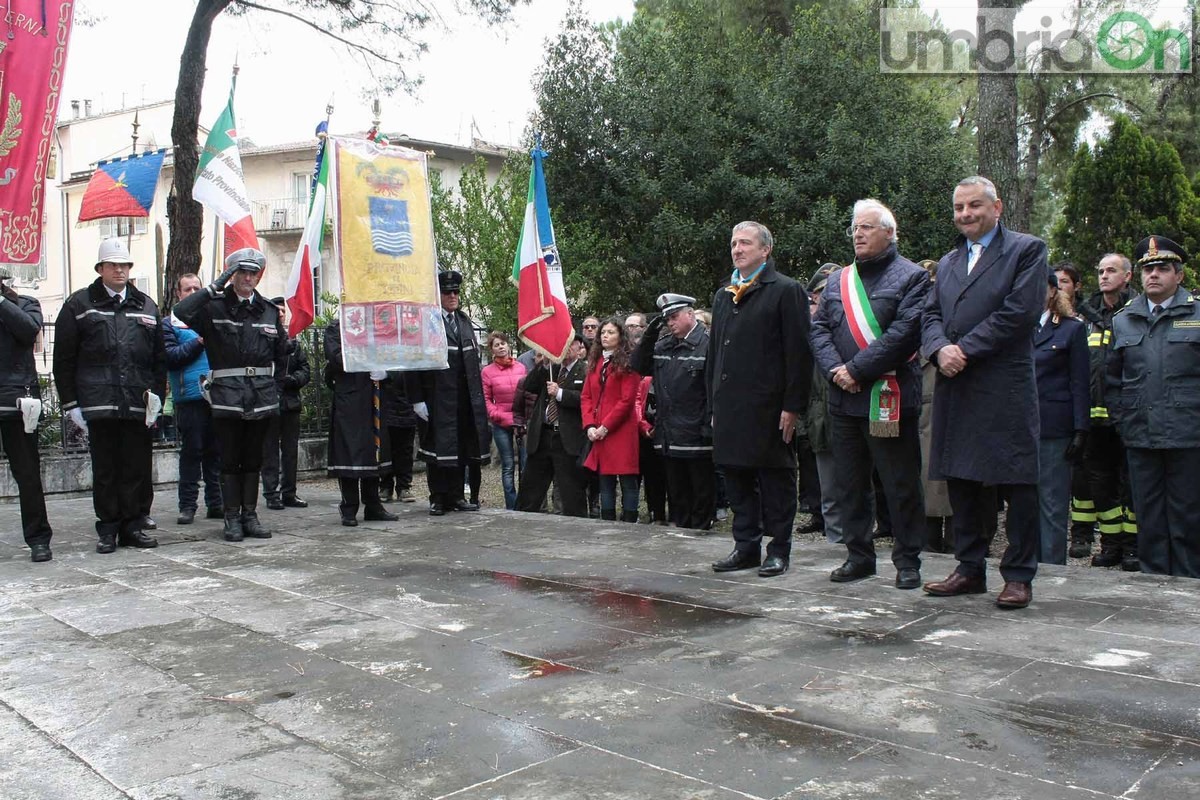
pixel 110 367
pixel 247 347
pixel 1154 395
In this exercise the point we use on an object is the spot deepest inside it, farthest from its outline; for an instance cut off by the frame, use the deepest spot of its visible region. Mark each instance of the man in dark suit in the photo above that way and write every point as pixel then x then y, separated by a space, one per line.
pixel 978 330
pixel 865 348
pixel 758 371
pixel 555 434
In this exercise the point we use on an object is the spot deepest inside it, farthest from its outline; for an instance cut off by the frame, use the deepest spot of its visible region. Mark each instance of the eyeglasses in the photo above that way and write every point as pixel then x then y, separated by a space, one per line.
pixel 590 327
pixel 450 291
pixel 865 227
pixel 633 325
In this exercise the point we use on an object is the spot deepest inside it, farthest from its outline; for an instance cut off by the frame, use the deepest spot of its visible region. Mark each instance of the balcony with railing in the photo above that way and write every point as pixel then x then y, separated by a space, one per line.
pixel 282 215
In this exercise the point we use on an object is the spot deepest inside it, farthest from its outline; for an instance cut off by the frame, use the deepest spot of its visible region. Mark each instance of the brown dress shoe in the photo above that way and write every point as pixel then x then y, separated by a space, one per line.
pixel 1015 595
pixel 955 585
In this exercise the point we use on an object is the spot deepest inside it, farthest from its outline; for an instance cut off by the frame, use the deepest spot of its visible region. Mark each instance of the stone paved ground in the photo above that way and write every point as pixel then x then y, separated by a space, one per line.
pixel 491 655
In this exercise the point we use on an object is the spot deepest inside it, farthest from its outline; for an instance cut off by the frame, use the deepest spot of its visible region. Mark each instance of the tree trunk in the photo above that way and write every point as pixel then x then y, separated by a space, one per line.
pixel 185 216
pixel 997 122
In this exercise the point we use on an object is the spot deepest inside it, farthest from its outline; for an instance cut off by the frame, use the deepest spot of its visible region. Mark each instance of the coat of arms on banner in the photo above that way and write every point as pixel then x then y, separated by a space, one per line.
pixel 383 241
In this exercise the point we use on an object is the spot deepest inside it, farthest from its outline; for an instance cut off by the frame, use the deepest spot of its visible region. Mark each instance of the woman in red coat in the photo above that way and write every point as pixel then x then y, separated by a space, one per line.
pixel 610 421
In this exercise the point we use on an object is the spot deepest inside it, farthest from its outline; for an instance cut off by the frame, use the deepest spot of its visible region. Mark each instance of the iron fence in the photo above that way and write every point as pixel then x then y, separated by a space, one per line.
pixel 57 436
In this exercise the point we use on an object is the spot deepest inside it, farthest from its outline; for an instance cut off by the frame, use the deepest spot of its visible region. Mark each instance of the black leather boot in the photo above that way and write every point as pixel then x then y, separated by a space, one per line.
pixel 608 514
pixel 231 496
pixel 373 510
pixel 251 527
pixel 349 505
pixel 1129 553
pixel 629 516
pixel 1110 550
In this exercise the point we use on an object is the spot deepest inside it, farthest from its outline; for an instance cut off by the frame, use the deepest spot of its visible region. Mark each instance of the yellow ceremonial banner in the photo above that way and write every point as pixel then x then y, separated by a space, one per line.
pixel 384 224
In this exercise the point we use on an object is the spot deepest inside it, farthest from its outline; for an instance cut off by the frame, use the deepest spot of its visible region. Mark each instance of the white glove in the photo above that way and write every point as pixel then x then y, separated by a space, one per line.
pixel 422 411
pixel 76 416
pixel 153 408
pixel 378 375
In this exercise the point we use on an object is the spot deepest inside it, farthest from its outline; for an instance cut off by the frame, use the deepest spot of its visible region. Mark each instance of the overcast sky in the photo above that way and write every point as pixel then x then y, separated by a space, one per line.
pixel 288 72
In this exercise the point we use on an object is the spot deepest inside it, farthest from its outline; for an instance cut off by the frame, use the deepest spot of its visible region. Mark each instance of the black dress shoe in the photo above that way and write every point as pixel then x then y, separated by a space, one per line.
pixel 215 512
pixel 349 522
pixel 295 502
pixel 774 565
pixel 852 572
pixel 186 516
pixel 39 552
pixel 148 523
pixel 436 510
pixel 737 560
pixel 908 578
pixel 275 504
pixel 136 539
pixel 380 514
pixel 107 543
pixel 464 505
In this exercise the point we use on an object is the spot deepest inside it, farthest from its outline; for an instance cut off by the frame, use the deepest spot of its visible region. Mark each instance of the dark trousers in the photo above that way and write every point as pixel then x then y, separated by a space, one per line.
pixel 654 479
pixel 692 490
pixel 281 442
pixel 1168 509
pixel 810 479
pixel 445 484
pixel 1108 478
pixel 241 443
pixel 973 503
pixel 897 462
pixel 121 479
pixel 763 501
pixel 21 448
pixel 352 495
pixel 551 461
pixel 199 455
pixel 400 478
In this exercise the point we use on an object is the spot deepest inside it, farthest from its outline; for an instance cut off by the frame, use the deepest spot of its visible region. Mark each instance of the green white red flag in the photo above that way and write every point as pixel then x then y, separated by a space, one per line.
pixel 220 186
pixel 543 319
pixel 298 292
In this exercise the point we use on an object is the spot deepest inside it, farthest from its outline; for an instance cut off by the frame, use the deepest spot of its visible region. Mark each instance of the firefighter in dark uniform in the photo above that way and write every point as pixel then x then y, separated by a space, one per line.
pixel 110 365
pixel 1154 397
pixel 20 395
pixel 450 402
pixel 247 348
pixel 683 419
pixel 1109 507
pixel 282 444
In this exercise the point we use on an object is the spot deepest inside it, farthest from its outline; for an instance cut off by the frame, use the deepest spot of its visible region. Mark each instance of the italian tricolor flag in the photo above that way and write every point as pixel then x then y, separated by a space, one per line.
pixel 220 186
pixel 299 290
pixel 884 414
pixel 543 320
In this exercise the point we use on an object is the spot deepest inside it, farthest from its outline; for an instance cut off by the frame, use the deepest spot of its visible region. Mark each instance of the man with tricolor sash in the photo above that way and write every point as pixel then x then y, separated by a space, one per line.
pixel 864 338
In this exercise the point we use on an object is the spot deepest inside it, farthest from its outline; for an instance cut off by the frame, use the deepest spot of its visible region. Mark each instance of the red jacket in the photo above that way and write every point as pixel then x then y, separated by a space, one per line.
pixel 617 453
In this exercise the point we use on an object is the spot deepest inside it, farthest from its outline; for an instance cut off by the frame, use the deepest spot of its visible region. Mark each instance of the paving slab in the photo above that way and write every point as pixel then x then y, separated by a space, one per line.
pixel 498 655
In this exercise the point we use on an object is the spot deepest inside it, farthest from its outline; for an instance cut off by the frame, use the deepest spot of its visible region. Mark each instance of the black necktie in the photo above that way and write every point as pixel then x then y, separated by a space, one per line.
pixel 452 327
pixel 1154 312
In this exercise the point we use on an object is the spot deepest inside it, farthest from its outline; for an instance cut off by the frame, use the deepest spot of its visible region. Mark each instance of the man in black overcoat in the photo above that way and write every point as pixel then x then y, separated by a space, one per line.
pixel 978 331
pixel 450 401
pixel 758 372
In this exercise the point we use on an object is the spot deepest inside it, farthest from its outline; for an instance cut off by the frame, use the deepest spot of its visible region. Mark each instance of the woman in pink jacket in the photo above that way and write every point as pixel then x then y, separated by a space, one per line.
pixel 499 385
pixel 611 423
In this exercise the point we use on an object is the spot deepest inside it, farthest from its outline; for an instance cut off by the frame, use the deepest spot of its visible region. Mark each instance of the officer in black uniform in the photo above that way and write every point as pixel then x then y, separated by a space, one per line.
pixel 1154 396
pixel 110 366
pixel 247 348
pixel 282 443
pixel 450 401
pixel 683 419
pixel 20 325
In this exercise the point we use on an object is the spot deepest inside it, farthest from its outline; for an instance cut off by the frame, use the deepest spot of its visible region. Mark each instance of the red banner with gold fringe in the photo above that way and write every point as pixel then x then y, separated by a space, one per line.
pixel 32 56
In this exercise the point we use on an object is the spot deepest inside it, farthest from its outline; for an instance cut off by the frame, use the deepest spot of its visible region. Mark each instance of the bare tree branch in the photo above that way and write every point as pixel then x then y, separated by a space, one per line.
pixel 348 42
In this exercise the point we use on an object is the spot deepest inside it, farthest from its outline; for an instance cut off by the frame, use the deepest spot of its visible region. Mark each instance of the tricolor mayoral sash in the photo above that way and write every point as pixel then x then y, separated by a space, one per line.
pixel 885 392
